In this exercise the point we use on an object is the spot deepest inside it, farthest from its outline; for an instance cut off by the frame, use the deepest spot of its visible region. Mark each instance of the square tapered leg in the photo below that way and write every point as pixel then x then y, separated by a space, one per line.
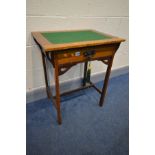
pixel 57 87
pixel 104 89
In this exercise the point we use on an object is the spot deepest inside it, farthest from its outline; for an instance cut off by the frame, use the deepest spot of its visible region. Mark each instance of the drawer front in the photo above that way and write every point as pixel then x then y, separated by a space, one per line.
pixel 84 54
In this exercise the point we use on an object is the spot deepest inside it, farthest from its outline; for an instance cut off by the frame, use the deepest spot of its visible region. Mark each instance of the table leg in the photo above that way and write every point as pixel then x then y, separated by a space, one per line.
pixel 57 93
pixel 45 75
pixel 106 81
pixel 85 73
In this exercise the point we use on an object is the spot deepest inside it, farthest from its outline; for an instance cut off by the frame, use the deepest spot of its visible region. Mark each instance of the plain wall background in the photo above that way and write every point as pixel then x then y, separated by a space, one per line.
pixel 109 16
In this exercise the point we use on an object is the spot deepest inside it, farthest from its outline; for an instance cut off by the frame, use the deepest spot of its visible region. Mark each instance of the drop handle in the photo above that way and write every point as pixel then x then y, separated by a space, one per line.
pixel 89 54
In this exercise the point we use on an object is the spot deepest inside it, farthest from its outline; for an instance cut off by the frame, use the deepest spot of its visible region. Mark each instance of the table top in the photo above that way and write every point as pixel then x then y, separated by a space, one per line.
pixel 59 40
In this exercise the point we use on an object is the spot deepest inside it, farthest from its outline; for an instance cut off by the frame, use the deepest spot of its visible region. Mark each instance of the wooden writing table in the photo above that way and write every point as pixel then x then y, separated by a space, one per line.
pixel 65 49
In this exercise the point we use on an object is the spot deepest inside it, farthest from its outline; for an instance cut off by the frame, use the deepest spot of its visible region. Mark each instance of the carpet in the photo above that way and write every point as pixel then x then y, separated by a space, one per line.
pixel 86 129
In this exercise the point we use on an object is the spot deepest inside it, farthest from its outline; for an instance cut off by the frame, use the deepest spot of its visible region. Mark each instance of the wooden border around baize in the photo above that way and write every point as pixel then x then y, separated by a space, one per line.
pixel 48 46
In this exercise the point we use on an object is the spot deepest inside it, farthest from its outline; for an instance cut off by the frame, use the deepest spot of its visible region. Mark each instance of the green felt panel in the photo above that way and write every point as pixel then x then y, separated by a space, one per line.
pixel 73 36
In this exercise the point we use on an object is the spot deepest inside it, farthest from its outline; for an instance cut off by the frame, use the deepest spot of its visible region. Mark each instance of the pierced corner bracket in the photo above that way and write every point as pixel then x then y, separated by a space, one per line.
pixel 63 69
pixel 105 61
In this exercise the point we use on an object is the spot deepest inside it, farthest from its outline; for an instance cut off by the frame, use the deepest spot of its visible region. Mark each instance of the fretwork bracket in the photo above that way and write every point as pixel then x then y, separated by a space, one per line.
pixel 105 61
pixel 64 68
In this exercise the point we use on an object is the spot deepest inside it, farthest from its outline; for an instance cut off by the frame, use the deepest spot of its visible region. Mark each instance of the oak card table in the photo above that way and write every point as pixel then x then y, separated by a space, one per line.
pixel 64 49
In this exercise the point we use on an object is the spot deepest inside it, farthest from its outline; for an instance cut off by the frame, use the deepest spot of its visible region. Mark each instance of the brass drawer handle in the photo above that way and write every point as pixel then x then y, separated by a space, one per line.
pixel 89 54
